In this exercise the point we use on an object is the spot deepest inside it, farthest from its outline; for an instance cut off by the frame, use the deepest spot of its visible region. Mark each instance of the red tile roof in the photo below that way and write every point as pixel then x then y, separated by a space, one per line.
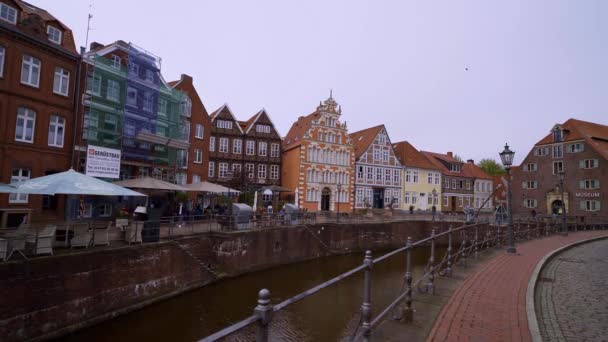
pixel 28 9
pixel 298 129
pixel 596 135
pixel 408 155
pixel 363 138
pixel 474 171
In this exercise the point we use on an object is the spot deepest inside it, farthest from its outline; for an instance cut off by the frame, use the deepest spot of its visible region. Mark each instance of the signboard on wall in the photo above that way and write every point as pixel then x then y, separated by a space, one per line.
pixel 103 162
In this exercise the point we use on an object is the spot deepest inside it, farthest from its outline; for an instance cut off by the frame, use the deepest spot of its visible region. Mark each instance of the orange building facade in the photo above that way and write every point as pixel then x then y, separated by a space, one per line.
pixel 318 160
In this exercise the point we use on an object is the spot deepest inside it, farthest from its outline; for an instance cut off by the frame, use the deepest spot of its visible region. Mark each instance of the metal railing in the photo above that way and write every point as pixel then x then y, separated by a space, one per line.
pixel 463 242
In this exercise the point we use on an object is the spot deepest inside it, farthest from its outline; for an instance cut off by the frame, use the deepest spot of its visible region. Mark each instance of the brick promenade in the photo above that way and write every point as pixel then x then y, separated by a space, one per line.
pixel 490 305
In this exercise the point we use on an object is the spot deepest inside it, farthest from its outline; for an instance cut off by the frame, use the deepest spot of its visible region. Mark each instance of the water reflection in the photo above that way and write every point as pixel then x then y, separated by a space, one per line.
pixel 329 315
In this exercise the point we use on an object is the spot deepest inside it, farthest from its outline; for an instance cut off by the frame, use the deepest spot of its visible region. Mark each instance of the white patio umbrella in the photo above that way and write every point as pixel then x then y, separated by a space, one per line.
pixel 255 200
pixel 6 189
pixel 210 187
pixel 70 183
pixel 150 183
pixel 296 198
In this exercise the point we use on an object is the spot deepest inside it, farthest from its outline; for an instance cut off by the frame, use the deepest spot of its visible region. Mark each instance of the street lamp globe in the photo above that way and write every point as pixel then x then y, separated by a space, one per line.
pixel 506 156
pixel 561 175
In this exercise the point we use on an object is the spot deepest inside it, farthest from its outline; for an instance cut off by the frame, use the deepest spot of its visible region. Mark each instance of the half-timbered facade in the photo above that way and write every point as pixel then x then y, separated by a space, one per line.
pixel 377 170
pixel 457 189
pixel 318 159
pixel 244 154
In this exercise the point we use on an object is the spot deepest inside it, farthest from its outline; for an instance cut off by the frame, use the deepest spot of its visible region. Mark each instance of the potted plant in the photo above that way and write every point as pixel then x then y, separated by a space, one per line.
pixel 122 218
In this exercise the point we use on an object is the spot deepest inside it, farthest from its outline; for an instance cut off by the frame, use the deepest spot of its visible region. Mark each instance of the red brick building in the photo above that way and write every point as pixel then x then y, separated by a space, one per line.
pixel 200 131
pixel 580 150
pixel 38 73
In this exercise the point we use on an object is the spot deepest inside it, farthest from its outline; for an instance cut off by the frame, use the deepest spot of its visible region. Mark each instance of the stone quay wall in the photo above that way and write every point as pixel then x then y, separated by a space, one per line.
pixel 50 296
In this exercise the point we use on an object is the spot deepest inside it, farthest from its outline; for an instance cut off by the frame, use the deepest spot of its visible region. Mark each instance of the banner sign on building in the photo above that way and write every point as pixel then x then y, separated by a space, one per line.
pixel 103 162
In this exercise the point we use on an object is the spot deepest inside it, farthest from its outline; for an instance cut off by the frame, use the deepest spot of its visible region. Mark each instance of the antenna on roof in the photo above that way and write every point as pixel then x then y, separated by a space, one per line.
pixel 86 42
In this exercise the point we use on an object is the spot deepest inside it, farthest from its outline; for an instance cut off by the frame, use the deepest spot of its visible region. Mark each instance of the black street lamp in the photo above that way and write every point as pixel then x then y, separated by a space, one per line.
pixel 506 156
pixel 434 206
pixel 562 175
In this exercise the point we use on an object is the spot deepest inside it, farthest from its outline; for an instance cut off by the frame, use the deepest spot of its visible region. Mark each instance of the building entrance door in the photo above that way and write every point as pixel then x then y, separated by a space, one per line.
pixel 453 199
pixel 325 199
pixel 423 200
pixel 556 207
pixel 378 198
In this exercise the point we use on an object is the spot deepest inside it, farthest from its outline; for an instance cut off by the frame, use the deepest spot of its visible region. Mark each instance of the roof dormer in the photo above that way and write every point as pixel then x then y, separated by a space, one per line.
pixel 558 133
pixel 55 34
pixel 8 13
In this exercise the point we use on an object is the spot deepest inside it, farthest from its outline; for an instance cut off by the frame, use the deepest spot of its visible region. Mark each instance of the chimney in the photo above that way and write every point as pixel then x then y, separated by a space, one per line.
pixel 471 161
pixel 450 154
pixel 186 78
pixel 95 46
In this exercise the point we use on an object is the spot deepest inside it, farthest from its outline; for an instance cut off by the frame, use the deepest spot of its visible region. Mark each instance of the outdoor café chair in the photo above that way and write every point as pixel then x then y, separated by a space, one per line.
pixel 100 234
pixel 82 235
pixel 43 242
pixel 3 249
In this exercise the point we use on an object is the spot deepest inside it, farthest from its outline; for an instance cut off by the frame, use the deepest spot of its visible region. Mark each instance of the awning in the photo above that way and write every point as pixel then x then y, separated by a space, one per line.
pixel 150 183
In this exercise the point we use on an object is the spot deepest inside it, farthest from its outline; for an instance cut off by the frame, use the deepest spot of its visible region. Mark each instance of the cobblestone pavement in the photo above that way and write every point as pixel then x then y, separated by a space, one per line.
pixel 490 305
pixel 571 296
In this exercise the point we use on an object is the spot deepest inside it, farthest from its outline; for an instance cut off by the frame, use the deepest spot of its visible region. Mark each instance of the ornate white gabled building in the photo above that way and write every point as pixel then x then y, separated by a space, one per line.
pixel 318 158
pixel 377 170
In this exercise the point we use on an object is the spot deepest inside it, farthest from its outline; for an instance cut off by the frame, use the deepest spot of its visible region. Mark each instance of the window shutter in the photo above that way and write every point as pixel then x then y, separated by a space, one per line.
pixel 597 205
pixel 581 184
pixel 581 164
pixel 582 205
pixel 596 162
pixel 524 185
pixel 597 183
pixel 582 147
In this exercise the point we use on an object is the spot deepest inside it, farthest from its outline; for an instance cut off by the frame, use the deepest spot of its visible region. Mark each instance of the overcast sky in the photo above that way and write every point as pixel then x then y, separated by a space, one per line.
pixel 531 64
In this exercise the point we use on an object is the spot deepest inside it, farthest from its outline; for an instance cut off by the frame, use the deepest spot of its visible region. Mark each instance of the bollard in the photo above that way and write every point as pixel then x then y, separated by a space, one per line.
pixel 366 307
pixel 264 311
pixel 430 286
pixel 449 261
pixel 408 312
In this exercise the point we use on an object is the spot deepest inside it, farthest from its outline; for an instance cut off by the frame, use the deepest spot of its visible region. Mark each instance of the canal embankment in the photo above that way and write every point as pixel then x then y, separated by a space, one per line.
pixel 51 296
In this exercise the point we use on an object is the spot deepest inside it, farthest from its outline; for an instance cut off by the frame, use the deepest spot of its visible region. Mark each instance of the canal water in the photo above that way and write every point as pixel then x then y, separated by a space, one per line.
pixel 329 315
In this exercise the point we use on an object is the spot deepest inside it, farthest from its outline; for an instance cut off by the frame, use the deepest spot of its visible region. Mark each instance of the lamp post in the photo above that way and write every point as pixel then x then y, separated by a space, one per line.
pixel 562 175
pixel 339 187
pixel 506 156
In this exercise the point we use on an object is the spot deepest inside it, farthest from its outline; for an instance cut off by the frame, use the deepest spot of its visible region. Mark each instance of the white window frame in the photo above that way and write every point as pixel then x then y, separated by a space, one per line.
pixel 250 169
pixel 32 65
pixel 274 150
pixel 262 149
pixel 16 179
pixel 223 148
pixel 115 62
pixel 211 144
pixel 274 171
pixel 225 124
pixel 237 146
pixel 199 132
pixel 132 100
pixel 211 169
pixel 262 128
pixel 57 128
pixel 196 179
pixel 250 148
pixel 113 88
pixel 105 210
pixel 10 13
pixel 61 81
pixel 148 102
pixel 26 115
pixel 222 171
pixel 261 171
pixel 198 156
pixel 51 31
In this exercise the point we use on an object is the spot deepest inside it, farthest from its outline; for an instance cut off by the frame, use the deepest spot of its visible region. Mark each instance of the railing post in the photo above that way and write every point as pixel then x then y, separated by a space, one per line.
pixel 476 240
pixel 431 284
pixel 366 307
pixel 408 315
pixel 264 311
pixel 498 244
pixel 464 249
pixel 449 261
